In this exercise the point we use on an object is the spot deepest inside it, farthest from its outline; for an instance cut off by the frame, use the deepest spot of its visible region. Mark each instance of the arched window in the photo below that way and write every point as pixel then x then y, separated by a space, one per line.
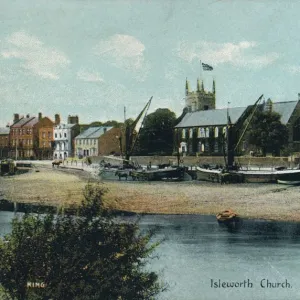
pixel 202 132
pixel 216 132
pixel 225 131
pixel 296 130
pixel 207 132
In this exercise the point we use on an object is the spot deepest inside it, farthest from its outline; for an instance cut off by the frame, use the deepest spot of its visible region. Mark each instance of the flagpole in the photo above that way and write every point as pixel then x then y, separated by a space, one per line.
pixel 201 71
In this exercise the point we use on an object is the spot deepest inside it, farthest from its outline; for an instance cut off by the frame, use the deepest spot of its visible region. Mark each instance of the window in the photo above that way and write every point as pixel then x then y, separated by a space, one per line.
pixel 65 134
pixel 43 134
pixel 95 142
pixel 183 133
pixel 225 131
pixel 191 132
pixel 207 132
pixel 49 134
pixel 60 135
pixel 216 132
pixel 206 146
pixel 55 135
pixel 202 132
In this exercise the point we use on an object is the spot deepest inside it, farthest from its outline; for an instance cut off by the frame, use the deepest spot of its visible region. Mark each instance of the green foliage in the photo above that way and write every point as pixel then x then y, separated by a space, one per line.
pixel 267 132
pixel 88 256
pixel 157 134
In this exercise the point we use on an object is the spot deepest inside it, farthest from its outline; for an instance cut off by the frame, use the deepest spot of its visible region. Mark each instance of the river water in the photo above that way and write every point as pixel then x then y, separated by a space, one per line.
pixel 198 256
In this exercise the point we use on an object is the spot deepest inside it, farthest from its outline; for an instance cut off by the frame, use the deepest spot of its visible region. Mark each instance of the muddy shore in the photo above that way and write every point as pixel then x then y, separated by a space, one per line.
pixel 63 187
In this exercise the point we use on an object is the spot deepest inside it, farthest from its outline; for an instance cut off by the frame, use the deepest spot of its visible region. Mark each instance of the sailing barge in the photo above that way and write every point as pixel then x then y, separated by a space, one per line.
pixel 233 174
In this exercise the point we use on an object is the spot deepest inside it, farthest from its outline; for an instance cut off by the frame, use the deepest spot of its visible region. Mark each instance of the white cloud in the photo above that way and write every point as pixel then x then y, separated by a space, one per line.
pixel 89 76
pixel 37 58
pixel 125 52
pixel 220 53
pixel 292 69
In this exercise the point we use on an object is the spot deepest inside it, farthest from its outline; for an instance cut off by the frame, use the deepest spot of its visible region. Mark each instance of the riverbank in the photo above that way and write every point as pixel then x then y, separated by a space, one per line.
pixel 64 187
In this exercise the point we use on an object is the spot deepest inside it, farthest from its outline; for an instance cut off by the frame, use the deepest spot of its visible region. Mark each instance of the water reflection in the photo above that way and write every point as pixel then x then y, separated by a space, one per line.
pixel 196 250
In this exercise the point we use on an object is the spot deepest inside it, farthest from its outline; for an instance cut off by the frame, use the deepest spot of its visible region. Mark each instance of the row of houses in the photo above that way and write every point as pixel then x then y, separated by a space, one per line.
pixel 41 138
pixel 201 130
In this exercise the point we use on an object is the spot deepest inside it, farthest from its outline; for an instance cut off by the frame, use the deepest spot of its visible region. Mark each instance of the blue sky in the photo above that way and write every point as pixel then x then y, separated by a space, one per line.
pixel 92 58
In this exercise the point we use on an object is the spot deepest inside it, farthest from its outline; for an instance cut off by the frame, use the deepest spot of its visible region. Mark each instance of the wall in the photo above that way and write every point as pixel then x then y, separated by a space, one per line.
pixel 192 160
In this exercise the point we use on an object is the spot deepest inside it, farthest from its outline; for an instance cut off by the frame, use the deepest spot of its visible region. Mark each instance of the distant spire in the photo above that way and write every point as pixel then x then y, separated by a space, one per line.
pixel 198 85
pixel 202 86
pixel 187 87
pixel 214 87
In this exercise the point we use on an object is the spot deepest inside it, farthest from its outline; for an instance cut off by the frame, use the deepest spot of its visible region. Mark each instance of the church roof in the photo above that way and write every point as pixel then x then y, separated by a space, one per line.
pixel 211 117
pixel 285 109
pixel 215 117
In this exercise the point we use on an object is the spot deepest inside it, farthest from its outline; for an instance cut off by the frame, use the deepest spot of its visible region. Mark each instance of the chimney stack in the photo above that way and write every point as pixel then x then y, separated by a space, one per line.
pixel 40 116
pixel 16 118
pixel 73 119
pixel 57 119
pixel 28 116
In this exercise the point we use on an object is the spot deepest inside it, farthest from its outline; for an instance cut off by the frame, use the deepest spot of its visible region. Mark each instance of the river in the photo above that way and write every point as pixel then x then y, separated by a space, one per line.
pixel 198 257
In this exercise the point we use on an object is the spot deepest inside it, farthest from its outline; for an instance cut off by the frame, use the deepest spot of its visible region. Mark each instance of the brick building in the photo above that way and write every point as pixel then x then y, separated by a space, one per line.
pixel 45 138
pixel 110 142
pixel 4 142
pixel 24 137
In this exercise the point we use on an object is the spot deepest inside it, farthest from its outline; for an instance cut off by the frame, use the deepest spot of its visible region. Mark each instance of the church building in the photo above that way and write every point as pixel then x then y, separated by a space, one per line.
pixel 202 130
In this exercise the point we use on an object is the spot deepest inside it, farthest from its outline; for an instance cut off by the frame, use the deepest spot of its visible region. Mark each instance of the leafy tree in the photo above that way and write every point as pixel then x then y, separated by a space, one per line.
pixel 89 255
pixel 157 134
pixel 267 132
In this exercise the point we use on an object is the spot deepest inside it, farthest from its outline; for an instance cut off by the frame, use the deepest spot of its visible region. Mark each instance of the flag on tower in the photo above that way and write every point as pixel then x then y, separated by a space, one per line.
pixel 207 67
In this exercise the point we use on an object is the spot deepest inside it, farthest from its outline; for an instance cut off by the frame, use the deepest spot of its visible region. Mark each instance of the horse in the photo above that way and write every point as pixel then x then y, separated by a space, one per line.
pixel 121 174
pixel 56 163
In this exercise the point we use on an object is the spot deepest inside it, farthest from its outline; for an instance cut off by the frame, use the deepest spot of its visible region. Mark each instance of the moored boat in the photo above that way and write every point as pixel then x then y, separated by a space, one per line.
pixel 227 217
pixel 172 173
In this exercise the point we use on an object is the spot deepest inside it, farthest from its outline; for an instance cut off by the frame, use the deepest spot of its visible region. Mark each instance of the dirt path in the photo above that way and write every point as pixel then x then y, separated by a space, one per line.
pixel 64 187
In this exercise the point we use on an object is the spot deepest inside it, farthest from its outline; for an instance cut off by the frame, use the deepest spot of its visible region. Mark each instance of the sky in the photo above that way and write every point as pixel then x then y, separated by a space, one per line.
pixel 93 57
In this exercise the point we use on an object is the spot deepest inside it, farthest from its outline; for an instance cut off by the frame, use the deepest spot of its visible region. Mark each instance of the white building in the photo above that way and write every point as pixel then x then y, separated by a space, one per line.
pixel 64 135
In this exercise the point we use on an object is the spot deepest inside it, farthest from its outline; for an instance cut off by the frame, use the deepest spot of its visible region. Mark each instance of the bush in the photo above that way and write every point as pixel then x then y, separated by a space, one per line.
pixel 89 255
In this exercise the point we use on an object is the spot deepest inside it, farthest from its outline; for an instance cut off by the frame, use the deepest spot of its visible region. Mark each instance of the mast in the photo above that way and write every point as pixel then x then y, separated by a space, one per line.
pixel 232 131
pixel 129 131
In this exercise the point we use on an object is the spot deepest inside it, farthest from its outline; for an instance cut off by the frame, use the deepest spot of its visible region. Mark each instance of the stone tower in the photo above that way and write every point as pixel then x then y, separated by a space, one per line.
pixel 200 99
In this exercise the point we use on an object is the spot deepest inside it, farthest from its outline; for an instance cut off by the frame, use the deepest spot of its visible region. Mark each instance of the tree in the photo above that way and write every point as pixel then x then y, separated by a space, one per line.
pixel 157 134
pixel 267 132
pixel 89 255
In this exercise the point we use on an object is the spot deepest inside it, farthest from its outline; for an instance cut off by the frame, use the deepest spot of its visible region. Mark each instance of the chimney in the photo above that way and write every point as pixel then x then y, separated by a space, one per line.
pixel 57 119
pixel 73 119
pixel 40 116
pixel 16 118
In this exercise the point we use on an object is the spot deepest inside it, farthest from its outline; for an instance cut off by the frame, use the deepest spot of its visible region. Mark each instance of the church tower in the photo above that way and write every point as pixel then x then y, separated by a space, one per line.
pixel 200 99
